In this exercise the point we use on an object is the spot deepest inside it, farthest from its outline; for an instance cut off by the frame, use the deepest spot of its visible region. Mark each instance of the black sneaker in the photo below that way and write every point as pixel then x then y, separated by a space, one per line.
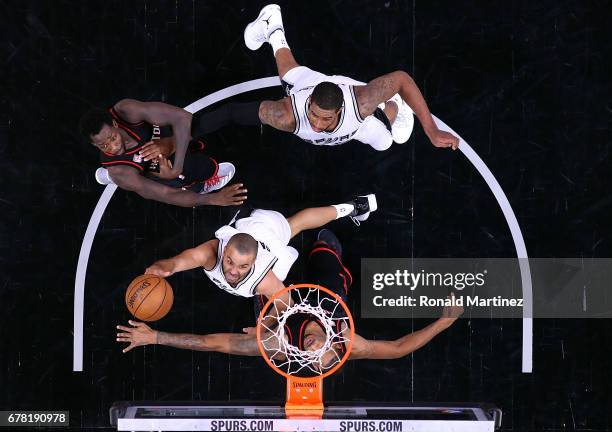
pixel 329 238
pixel 364 205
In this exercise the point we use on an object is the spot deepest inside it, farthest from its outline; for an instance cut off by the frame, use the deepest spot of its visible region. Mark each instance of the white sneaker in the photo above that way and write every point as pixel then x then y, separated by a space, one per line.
pixel 102 176
pixel 259 31
pixel 401 129
pixel 364 205
pixel 224 174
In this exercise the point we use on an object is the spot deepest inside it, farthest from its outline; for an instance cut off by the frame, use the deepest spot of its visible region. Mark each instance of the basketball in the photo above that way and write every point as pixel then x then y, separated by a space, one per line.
pixel 149 297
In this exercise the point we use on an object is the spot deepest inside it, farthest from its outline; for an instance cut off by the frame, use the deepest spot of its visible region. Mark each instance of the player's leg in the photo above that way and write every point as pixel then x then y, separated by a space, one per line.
pixel 268 27
pixel 233 113
pixel 325 265
pixel 358 209
pixel 284 62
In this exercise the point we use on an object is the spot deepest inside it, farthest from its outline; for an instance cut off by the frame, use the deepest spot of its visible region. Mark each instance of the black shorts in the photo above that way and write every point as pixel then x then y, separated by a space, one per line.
pixel 197 168
pixel 380 115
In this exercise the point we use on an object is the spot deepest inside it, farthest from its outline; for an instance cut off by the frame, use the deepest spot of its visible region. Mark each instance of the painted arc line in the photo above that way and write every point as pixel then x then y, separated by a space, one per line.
pixel 94 221
pixel 81 272
pixel 79 287
pixel 517 237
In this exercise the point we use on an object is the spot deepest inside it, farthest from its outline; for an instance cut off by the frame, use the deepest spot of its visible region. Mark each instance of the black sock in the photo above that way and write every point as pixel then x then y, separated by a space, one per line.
pixel 243 114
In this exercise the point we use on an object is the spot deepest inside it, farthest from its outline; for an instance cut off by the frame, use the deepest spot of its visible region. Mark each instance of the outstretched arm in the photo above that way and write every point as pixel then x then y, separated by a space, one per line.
pixel 278 114
pixel 231 343
pixel 128 178
pixel 373 349
pixel 203 255
pixel 161 114
pixel 381 89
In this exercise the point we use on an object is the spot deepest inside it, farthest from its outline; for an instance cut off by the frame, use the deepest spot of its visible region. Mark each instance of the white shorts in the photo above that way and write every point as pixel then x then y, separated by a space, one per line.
pixel 372 131
pixel 271 228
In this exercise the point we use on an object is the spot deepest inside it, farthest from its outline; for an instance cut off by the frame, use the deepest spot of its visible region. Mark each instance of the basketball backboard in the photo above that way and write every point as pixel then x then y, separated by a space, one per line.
pixel 398 417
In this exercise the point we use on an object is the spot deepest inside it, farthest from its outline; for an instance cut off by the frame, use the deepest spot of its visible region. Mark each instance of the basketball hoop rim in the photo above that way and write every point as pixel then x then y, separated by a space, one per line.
pixel 344 358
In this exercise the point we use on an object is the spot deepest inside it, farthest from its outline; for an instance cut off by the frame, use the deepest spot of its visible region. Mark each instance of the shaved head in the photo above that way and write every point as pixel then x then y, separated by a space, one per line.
pixel 244 244
pixel 238 257
pixel 327 96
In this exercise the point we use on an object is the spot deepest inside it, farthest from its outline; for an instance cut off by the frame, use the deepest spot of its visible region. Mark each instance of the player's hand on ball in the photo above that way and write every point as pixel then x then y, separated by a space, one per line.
pixel 159 269
pixel 229 195
pixel 166 171
pixel 155 149
pixel 138 335
pixel 443 139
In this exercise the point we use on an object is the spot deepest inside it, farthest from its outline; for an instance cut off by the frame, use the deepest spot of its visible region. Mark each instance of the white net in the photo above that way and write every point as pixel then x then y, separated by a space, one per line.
pixel 319 306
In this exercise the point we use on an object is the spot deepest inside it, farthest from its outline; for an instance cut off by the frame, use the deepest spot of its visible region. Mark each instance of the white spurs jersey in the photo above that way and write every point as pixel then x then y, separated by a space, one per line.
pixel 348 124
pixel 264 261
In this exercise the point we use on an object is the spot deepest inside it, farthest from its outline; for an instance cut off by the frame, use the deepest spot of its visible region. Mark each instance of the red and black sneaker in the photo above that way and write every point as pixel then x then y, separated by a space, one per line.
pixel 224 174
pixel 331 241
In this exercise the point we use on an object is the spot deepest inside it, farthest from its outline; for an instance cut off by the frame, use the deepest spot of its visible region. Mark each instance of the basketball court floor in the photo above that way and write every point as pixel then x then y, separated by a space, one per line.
pixel 524 85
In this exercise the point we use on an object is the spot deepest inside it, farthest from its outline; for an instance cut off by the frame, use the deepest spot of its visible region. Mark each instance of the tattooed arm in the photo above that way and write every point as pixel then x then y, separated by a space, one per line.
pixel 231 343
pixel 384 87
pixel 278 114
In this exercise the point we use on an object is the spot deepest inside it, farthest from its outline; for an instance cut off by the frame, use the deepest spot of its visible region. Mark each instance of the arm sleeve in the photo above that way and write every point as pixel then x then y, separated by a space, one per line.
pixel 243 114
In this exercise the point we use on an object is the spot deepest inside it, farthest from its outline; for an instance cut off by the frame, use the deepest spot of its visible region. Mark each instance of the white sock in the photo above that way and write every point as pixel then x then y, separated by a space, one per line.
pixel 343 209
pixel 278 41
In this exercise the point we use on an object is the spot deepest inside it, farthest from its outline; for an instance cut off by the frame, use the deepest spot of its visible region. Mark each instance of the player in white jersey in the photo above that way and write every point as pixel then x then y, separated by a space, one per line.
pixel 331 110
pixel 324 268
pixel 253 257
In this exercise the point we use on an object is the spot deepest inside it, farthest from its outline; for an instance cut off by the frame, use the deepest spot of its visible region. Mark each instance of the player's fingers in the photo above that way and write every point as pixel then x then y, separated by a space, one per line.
pixel 122 339
pixel 151 270
pixel 124 328
pixel 149 154
pixel 123 335
pixel 136 323
pixel 132 345
pixel 147 147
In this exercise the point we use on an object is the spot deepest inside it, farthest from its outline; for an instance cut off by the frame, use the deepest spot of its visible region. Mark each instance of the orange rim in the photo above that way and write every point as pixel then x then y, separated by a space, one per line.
pixel 348 348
